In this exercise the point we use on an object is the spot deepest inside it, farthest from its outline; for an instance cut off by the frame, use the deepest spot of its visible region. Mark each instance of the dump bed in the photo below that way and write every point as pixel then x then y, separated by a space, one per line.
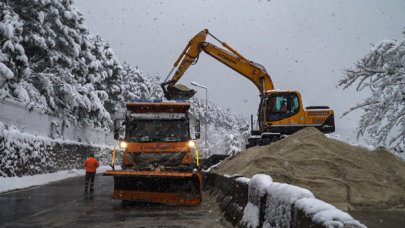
pixel 161 107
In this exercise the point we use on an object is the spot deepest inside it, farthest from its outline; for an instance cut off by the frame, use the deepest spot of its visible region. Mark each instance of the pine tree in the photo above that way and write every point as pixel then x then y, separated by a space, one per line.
pixel 13 61
pixel 50 61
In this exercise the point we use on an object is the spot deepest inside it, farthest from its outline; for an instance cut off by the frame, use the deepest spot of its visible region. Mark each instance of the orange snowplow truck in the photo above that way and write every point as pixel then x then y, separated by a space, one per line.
pixel 159 164
pixel 280 112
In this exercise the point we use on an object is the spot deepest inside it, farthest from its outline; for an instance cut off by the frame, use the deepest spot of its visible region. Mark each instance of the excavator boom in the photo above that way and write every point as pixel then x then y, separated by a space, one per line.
pixel 254 72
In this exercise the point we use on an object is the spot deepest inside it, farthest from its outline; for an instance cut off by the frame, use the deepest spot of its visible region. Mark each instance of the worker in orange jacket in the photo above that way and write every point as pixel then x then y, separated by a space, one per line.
pixel 91 165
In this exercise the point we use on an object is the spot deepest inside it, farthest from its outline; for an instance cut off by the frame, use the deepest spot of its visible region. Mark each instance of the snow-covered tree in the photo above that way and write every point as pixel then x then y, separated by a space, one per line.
pixel 226 131
pixel 138 86
pixel 382 71
pixel 13 61
pixel 49 60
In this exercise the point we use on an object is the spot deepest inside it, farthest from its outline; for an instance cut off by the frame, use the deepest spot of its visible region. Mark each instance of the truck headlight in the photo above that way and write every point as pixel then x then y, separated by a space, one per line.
pixel 191 144
pixel 123 145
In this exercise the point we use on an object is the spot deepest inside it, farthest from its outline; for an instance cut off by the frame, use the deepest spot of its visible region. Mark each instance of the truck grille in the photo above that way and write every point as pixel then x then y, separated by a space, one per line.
pixel 154 160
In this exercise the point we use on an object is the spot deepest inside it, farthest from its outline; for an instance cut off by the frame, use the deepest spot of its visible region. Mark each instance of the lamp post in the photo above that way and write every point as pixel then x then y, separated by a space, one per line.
pixel 205 115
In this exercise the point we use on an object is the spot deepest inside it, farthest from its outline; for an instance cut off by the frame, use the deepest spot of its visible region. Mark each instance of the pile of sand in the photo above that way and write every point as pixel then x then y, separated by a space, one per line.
pixel 347 176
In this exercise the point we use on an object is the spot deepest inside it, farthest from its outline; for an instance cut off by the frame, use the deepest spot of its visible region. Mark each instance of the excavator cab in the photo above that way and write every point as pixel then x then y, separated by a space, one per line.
pixel 281 105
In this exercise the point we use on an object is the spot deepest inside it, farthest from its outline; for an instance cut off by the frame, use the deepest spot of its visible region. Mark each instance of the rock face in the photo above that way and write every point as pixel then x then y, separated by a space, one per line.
pixel 347 176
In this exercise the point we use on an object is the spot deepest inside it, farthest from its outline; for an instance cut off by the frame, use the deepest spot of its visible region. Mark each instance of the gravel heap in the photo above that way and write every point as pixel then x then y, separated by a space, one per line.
pixel 347 176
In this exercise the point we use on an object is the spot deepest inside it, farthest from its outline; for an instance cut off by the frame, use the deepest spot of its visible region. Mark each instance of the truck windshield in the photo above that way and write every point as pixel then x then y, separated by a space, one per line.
pixel 157 130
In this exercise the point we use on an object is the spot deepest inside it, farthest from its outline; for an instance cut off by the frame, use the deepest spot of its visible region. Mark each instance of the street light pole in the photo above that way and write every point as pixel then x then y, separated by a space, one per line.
pixel 205 116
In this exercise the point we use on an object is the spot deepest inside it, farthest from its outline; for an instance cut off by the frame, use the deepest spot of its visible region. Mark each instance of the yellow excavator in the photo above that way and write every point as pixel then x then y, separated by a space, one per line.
pixel 280 113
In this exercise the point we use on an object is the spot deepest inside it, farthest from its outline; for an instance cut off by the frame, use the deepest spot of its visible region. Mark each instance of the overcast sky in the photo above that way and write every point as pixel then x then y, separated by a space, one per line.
pixel 304 45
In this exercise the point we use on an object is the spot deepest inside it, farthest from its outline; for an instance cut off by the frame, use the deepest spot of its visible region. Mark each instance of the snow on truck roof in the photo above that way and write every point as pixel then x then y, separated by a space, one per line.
pixel 158 107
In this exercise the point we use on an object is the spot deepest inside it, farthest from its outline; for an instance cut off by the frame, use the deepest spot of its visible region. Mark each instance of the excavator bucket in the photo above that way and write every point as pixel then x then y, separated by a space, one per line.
pixel 158 187
pixel 178 92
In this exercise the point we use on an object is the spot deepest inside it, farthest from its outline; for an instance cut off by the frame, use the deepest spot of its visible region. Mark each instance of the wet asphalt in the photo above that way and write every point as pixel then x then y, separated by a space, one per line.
pixel 64 204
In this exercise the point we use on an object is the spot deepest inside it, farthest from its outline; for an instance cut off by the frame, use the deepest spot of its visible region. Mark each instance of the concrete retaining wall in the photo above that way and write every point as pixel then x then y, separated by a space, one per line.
pixel 23 154
pixel 33 142
pixel 37 122
pixel 257 203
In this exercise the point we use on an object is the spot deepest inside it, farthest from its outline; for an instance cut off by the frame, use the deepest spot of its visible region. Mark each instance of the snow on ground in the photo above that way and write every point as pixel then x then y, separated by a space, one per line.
pixel 283 199
pixel 325 213
pixel 257 188
pixel 14 183
pixel 251 215
pixel 280 202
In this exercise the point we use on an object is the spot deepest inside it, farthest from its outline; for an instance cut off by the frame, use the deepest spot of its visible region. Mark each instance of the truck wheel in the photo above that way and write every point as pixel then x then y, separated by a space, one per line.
pixel 125 203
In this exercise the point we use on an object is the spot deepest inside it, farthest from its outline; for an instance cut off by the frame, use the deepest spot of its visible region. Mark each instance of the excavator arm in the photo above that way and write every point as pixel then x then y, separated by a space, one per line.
pixel 255 72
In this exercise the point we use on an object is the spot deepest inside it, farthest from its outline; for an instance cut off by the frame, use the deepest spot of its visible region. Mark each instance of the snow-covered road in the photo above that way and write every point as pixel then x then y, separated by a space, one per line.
pixel 15 183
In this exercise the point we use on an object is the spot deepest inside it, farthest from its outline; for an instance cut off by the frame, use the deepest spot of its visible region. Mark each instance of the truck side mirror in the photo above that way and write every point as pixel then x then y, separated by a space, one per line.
pixel 117 128
pixel 116 135
pixel 197 129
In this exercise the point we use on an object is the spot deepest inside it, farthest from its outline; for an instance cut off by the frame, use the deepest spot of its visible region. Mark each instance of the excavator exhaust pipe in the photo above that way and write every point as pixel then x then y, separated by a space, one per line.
pixel 177 92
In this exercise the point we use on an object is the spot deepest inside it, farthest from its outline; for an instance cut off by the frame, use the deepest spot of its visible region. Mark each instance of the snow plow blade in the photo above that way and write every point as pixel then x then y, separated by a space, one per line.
pixel 157 187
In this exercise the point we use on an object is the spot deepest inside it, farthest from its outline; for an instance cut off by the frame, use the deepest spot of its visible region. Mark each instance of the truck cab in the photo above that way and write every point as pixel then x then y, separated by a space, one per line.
pixel 160 160
pixel 158 136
